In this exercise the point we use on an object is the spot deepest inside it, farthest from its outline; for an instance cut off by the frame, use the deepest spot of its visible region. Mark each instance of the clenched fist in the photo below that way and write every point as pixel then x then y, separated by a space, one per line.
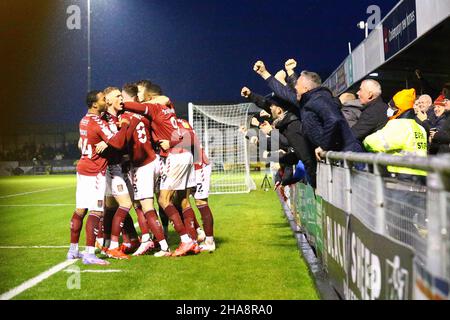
pixel 290 65
pixel 260 69
pixel 245 92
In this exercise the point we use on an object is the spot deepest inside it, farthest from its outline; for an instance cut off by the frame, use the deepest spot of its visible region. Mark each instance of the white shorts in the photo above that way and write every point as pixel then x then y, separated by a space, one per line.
pixel 178 172
pixel 91 192
pixel 143 180
pixel 203 179
pixel 115 181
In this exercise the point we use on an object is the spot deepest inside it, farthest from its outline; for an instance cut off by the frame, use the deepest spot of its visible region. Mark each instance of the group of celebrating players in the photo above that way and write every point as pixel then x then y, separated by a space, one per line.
pixel 133 148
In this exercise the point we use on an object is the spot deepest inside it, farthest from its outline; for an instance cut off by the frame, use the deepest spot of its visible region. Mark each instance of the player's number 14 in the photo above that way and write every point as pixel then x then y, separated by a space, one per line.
pixel 86 149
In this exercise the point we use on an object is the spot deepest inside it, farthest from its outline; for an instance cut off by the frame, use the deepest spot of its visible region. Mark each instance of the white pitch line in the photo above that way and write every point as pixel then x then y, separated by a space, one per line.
pixel 40 205
pixel 92 271
pixel 34 247
pixel 31 192
pixel 34 281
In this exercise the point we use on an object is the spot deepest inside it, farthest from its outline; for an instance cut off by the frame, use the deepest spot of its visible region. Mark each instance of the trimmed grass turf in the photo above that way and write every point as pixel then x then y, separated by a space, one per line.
pixel 256 258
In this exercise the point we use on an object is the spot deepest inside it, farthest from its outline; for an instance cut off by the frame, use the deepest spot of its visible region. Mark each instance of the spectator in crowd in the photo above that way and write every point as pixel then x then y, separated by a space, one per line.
pixel 373 116
pixel 323 123
pixel 440 136
pixel 289 129
pixel 401 136
pixel 351 108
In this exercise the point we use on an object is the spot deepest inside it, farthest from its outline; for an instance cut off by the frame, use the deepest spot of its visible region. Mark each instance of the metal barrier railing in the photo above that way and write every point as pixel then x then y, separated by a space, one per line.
pixel 418 216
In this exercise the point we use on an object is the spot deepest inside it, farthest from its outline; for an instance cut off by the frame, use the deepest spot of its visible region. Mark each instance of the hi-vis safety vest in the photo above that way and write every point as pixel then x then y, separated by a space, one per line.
pixel 400 137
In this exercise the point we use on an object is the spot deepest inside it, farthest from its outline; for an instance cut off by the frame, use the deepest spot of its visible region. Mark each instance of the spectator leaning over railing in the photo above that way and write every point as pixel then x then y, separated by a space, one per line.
pixel 289 127
pixel 401 136
pixel 323 123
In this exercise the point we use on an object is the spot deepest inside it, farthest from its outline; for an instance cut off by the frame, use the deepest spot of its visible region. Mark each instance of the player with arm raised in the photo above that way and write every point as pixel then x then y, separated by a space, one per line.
pixel 177 174
pixel 143 174
pixel 91 180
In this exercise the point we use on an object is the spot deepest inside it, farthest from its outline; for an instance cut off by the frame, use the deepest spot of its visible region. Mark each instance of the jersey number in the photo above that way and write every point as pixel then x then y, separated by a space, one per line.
pixel 175 125
pixel 86 149
pixel 140 129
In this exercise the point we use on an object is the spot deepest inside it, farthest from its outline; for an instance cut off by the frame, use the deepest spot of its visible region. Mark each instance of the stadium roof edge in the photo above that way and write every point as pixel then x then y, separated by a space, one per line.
pixel 403 26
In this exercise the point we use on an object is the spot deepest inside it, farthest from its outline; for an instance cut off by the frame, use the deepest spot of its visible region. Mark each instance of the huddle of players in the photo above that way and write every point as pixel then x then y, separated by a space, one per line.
pixel 132 147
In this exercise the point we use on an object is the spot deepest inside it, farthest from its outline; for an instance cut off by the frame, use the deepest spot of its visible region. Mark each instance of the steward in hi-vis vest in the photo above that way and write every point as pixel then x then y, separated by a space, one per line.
pixel 402 136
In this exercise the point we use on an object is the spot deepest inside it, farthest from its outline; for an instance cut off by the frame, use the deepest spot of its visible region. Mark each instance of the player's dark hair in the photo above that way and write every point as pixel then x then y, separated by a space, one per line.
pixel 92 98
pixel 131 89
pixel 154 89
pixel 143 83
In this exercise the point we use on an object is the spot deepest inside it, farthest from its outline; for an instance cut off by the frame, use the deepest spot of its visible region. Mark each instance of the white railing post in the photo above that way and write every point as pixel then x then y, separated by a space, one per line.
pixel 348 186
pixel 380 221
pixel 329 180
pixel 437 240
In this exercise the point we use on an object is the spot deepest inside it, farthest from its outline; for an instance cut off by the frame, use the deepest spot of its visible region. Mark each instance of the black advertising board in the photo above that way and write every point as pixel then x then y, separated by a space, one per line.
pixel 400 28
pixel 378 268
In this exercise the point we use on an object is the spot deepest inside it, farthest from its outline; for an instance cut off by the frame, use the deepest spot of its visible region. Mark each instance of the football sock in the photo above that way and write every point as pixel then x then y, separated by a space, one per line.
pixel 154 225
pixel 113 245
pixel 196 224
pixel 141 220
pixel 189 217
pixel 76 223
pixel 208 220
pixel 100 229
pixel 91 225
pixel 107 222
pixel 164 246
pixel 74 246
pixel 117 222
pixel 90 250
pixel 128 226
pixel 185 238
pixel 145 237
pixel 164 218
pixel 174 216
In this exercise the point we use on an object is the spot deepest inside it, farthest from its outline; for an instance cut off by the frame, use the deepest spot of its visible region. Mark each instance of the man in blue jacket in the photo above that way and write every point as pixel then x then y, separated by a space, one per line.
pixel 323 122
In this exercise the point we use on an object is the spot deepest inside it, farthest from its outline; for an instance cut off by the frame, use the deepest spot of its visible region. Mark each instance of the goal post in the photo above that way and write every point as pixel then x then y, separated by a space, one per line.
pixel 217 127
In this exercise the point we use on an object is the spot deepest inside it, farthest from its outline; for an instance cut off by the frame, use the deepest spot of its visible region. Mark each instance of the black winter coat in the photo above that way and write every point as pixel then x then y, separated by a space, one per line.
pixel 373 118
pixel 441 141
pixel 324 123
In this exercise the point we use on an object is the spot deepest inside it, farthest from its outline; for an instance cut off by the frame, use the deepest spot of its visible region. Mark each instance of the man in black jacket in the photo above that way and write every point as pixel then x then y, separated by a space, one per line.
pixel 289 129
pixel 374 113
pixel 323 122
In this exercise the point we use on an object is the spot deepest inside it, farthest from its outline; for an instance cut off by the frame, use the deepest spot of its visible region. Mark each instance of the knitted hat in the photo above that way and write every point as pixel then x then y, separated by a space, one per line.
pixel 403 101
pixel 440 101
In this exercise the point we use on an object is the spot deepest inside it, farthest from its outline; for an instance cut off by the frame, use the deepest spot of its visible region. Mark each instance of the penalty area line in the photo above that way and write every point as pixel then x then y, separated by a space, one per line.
pixel 34 281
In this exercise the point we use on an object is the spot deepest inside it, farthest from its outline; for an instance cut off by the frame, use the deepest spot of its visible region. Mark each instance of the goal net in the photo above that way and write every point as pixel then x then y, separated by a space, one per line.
pixel 217 128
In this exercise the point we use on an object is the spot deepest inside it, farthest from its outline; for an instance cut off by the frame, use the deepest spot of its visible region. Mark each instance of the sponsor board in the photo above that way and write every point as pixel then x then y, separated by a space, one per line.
pixel 361 264
pixel 428 286
pixel 400 28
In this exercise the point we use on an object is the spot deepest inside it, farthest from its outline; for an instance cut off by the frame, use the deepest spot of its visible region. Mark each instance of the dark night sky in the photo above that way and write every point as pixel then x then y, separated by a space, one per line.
pixel 201 50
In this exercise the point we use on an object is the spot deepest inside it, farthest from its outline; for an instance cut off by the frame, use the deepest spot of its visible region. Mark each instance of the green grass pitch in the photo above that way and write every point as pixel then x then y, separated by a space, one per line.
pixel 256 257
